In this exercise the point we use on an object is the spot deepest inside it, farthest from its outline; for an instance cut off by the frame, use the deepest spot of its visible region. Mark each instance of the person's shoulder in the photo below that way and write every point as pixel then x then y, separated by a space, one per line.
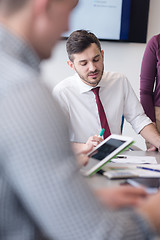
pixel 154 41
pixel 114 76
pixel 14 73
pixel 155 37
pixel 115 79
pixel 64 84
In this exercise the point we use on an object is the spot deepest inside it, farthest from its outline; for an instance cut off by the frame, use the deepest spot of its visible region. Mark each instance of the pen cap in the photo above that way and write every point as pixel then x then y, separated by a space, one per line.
pixel 101 132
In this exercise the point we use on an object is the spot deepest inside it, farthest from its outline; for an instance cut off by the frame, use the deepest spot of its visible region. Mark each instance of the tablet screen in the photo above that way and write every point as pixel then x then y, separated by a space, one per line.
pixel 105 151
pixel 107 148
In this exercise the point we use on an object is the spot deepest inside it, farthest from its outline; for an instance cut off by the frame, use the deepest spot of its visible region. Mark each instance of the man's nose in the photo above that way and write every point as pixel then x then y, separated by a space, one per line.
pixel 92 67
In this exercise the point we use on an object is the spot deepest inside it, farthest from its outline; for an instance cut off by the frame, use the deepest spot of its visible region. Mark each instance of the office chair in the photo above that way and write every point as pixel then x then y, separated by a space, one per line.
pixel 122 123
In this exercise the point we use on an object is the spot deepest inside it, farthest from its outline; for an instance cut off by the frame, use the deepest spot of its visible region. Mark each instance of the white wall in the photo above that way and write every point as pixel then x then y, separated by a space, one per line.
pixel 120 57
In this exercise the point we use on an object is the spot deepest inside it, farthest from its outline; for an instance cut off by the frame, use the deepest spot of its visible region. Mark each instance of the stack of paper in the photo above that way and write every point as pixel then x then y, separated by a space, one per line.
pixel 131 166
pixel 129 172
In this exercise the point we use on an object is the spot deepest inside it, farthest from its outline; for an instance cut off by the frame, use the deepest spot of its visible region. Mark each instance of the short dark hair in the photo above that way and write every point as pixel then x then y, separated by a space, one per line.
pixel 79 40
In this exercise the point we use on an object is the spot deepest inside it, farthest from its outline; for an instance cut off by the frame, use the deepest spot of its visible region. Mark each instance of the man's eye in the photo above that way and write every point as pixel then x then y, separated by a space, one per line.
pixel 96 60
pixel 83 64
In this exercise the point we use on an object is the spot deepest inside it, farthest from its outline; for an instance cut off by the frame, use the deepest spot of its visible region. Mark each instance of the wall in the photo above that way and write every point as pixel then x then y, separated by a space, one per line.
pixel 119 57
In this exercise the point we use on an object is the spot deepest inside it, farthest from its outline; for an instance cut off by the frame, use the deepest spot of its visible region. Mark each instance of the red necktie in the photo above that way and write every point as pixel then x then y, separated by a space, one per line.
pixel 102 114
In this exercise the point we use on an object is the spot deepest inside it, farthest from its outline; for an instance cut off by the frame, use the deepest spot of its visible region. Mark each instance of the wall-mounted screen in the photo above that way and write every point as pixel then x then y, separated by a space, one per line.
pixel 112 20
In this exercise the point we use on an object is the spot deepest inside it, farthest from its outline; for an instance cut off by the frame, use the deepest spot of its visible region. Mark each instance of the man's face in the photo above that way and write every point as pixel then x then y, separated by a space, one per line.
pixel 89 65
pixel 59 16
pixel 50 25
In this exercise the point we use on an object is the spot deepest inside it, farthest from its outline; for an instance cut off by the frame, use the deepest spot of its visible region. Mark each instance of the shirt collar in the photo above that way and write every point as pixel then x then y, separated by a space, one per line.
pixel 18 48
pixel 83 87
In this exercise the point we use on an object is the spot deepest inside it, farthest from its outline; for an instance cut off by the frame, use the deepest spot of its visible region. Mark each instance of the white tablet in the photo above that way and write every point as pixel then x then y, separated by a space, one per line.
pixel 105 151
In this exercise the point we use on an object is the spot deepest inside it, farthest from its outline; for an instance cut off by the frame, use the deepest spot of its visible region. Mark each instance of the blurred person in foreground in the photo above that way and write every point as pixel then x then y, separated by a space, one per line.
pixel 43 195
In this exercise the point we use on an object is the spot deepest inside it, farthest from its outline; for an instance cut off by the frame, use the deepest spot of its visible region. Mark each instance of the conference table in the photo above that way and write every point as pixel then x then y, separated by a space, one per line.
pixel 98 180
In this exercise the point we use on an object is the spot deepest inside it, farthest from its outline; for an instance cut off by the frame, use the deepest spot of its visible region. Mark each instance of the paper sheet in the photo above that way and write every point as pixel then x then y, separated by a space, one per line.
pixel 114 170
pixel 134 159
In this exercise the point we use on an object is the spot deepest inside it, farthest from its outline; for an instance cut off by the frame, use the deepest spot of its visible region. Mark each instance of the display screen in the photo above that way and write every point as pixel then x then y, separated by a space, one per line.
pixel 106 149
pixel 119 20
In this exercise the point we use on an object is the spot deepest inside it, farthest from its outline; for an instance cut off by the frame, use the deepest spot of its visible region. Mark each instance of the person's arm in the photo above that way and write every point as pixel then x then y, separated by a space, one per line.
pixel 147 77
pixel 121 196
pixel 150 134
pixel 150 210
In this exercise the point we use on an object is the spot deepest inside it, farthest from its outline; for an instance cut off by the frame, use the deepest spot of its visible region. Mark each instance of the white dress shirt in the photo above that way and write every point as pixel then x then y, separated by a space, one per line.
pixel 79 105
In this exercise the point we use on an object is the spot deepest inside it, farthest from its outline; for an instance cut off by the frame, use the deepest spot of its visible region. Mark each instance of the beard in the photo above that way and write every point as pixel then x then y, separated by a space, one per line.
pixel 94 81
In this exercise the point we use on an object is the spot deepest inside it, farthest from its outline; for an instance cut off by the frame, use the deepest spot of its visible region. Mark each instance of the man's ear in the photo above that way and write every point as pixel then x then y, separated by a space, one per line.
pixel 102 52
pixel 70 63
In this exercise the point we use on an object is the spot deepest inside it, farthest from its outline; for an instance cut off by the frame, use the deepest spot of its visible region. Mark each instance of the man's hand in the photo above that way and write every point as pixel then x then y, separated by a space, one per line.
pixel 121 196
pixel 92 142
pixel 150 209
pixel 95 140
pixel 152 136
pixel 81 150
pixel 151 149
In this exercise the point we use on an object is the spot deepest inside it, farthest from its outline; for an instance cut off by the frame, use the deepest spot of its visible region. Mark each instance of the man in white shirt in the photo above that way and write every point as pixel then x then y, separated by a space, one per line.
pixel 117 96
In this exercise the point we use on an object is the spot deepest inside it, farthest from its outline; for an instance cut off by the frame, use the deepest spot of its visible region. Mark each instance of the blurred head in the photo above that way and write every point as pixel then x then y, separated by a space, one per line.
pixel 39 22
pixel 85 56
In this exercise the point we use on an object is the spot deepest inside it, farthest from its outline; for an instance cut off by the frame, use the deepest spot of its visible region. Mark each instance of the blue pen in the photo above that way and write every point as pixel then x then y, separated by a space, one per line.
pixel 149 169
pixel 101 132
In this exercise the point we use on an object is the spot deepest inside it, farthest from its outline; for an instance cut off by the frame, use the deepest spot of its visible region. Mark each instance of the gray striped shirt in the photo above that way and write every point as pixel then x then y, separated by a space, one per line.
pixel 42 194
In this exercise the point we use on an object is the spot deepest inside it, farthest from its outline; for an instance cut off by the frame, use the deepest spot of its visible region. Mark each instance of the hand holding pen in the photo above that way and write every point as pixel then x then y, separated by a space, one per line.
pixel 96 139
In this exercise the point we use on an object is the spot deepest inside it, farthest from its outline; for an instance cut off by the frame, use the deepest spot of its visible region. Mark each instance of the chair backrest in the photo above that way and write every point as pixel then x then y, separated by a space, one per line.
pixel 122 124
